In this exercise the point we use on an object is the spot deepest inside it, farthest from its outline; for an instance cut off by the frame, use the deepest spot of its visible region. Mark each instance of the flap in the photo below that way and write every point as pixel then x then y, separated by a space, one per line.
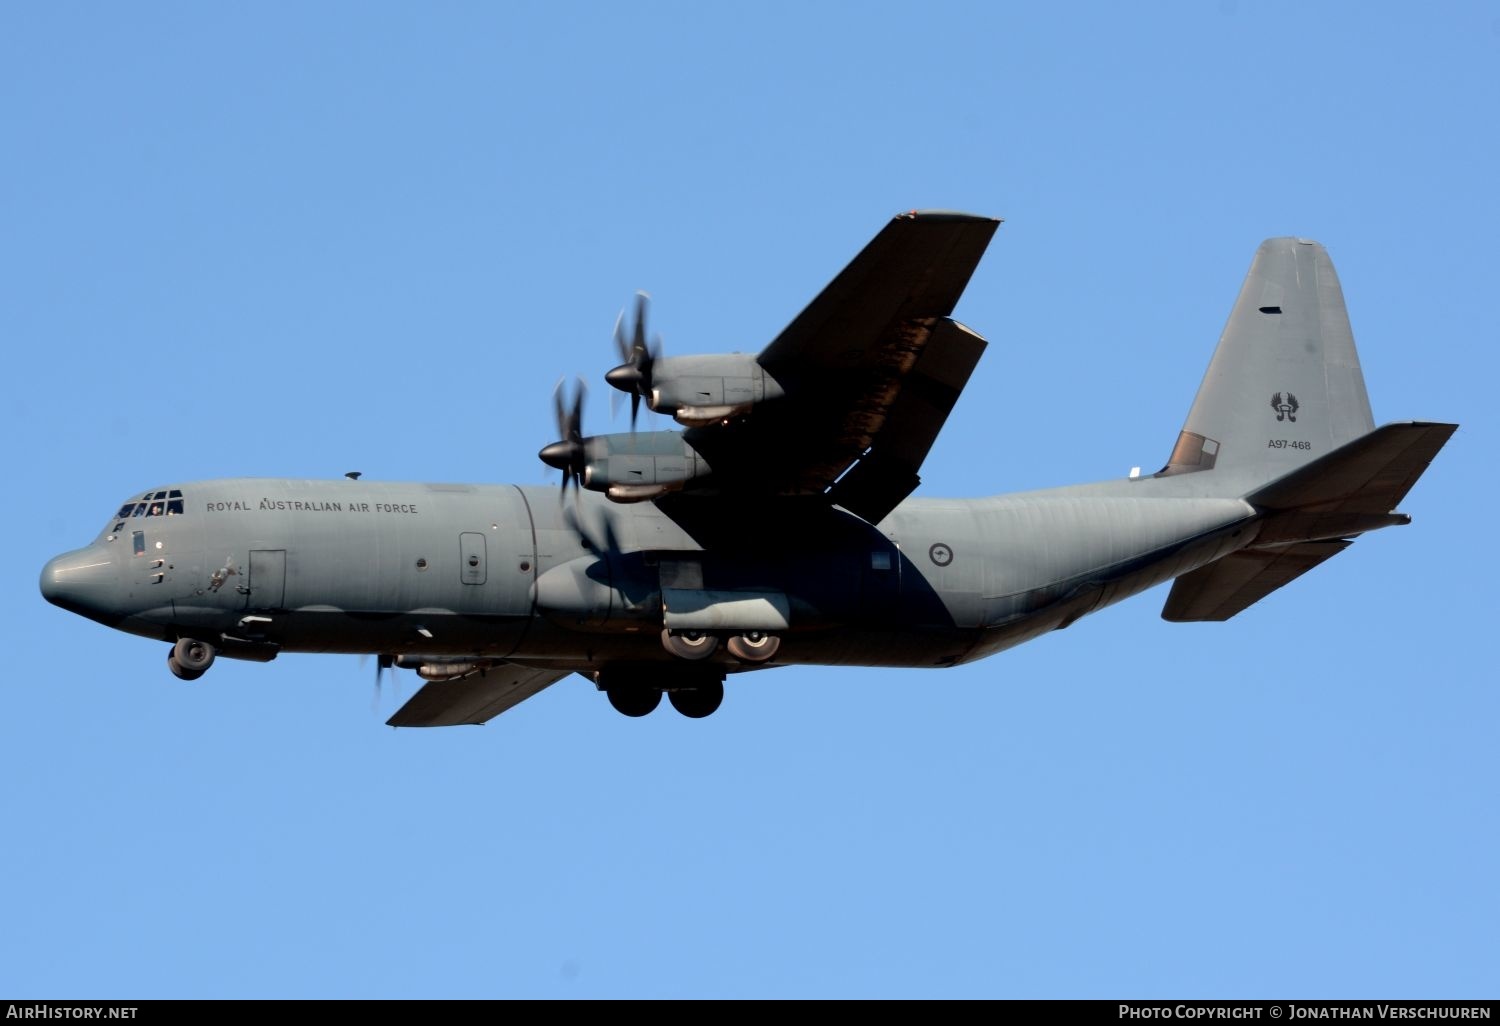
pixel 474 699
pixel 871 368
pixel 888 472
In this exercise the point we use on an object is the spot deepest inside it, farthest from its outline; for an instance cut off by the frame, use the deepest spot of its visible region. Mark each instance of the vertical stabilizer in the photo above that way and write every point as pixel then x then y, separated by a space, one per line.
pixel 1284 386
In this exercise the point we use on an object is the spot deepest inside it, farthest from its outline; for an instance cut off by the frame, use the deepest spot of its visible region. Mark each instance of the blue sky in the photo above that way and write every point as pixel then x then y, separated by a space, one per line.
pixel 291 239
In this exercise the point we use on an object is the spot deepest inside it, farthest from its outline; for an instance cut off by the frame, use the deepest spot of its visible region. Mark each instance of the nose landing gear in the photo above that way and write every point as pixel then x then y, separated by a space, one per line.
pixel 190 658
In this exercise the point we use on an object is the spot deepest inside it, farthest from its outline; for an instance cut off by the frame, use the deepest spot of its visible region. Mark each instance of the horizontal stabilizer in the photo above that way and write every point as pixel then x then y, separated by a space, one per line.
pixel 1232 584
pixel 1309 516
pixel 475 699
pixel 1371 474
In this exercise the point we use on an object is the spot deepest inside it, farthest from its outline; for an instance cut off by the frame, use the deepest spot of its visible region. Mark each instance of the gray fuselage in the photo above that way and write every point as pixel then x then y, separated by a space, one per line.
pixel 503 572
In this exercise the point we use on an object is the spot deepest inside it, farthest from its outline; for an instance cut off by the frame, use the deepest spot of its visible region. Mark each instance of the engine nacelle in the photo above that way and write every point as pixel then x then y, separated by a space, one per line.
pixel 431 667
pixel 702 390
pixel 637 467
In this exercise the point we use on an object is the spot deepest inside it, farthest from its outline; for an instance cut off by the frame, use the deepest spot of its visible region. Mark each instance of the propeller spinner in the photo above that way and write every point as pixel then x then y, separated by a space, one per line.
pixel 570 454
pixel 634 375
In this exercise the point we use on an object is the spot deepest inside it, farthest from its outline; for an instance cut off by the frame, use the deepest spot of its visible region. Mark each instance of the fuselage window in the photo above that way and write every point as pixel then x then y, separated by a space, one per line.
pixel 174 494
pixel 138 542
pixel 174 507
pixel 140 510
pixel 125 511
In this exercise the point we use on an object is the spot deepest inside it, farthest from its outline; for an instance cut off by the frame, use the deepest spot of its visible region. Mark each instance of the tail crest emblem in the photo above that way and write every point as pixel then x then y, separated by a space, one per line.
pixel 1286 406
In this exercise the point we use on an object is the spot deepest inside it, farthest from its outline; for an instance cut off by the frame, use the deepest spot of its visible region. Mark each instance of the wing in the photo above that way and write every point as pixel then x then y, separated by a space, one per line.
pixel 475 699
pixel 870 370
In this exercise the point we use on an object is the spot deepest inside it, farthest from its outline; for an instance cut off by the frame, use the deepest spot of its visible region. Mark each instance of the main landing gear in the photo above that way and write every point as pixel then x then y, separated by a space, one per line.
pixel 190 659
pixel 747 647
pixel 638 691
pixel 633 699
pixel 694 691
pixel 754 646
pixel 699 701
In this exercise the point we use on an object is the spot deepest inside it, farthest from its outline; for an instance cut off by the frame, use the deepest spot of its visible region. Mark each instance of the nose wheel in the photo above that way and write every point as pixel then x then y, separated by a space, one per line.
pixel 190 659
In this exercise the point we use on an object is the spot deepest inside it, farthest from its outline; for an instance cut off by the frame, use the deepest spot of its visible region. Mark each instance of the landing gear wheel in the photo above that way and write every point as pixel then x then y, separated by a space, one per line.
pixel 190 658
pixel 634 701
pixel 178 671
pixel 754 646
pixel 689 644
pixel 700 701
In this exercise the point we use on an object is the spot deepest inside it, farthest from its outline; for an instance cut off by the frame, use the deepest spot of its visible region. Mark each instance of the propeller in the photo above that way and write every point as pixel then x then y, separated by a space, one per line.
pixel 382 663
pixel 570 454
pixel 634 374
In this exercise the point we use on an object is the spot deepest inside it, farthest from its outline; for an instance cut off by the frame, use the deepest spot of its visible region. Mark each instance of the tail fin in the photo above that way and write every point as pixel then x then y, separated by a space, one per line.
pixel 1284 386
pixel 1283 421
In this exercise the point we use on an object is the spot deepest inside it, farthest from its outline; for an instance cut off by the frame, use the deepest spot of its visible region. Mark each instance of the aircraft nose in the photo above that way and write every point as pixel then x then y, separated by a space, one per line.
pixel 78 580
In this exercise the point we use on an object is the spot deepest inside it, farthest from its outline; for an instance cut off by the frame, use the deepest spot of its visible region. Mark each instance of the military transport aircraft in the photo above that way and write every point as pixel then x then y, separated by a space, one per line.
pixel 775 528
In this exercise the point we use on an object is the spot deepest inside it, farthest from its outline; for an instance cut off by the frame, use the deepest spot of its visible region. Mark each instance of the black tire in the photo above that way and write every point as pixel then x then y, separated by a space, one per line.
pixel 193 656
pixel 689 644
pixel 754 646
pixel 634 700
pixel 178 671
pixel 700 701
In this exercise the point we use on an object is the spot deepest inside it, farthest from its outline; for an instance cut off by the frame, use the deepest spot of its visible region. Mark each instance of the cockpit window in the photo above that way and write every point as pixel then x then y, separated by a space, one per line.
pixel 165 503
